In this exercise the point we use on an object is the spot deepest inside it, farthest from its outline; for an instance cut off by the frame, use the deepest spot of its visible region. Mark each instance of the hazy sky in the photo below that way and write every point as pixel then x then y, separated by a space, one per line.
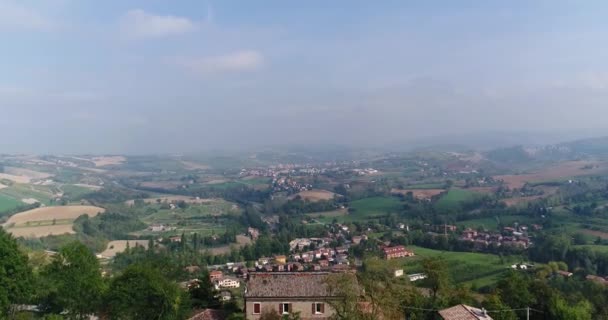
pixel 184 76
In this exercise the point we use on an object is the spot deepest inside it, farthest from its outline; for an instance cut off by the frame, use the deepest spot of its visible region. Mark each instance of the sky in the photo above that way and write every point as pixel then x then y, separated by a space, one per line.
pixel 180 76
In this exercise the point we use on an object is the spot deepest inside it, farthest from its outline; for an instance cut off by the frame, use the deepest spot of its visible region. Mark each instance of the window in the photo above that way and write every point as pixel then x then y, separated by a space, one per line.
pixel 285 308
pixel 257 308
pixel 318 308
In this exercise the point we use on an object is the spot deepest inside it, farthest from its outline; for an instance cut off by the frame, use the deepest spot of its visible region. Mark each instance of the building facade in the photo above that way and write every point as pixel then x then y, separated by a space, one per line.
pixel 397 252
pixel 305 293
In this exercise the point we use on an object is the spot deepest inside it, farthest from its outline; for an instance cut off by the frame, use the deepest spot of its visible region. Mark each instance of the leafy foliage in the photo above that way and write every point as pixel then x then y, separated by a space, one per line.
pixel 141 292
pixel 72 282
pixel 16 279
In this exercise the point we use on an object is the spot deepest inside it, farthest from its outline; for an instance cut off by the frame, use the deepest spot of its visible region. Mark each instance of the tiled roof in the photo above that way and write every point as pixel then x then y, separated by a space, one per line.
pixel 287 284
pixel 209 314
pixel 463 312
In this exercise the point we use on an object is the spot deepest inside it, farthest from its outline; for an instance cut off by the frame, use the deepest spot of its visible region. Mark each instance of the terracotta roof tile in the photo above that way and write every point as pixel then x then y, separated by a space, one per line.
pixel 287 284
pixel 463 312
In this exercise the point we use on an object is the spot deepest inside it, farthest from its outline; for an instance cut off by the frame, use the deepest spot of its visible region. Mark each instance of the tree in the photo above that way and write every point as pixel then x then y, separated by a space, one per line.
pixel 203 295
pixel 514 290
pixel 561 310
pixel 494 303
pixel 385 296
pixel 141 292
pixel 16 279
pixel 73 282
pixel 437 279
pixel 347 291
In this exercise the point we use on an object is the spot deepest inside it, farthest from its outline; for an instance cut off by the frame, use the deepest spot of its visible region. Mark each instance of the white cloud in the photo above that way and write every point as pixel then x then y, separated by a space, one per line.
pixel 140 24
pixel 14 16
pixel 246 60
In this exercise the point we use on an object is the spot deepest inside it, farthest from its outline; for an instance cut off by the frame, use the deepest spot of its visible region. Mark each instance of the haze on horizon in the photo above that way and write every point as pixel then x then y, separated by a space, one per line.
pixel 168 76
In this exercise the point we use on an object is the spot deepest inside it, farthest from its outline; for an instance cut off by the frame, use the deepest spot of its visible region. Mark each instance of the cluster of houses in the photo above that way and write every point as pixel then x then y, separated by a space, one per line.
pixel 396 252
pixel 160 228
pixel 302 258
pixel 286 184
pixel 365 172
pixel 510 237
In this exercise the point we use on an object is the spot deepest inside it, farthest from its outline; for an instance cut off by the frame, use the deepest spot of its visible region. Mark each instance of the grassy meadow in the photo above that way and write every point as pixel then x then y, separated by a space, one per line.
pixel 8 203
pixel 372 207
pixel 454 197
pixel 479 269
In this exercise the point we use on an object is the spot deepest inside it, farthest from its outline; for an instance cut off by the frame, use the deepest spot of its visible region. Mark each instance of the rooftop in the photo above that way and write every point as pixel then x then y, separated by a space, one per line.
pixel 209 314
pixel 287 284
pixel 464 312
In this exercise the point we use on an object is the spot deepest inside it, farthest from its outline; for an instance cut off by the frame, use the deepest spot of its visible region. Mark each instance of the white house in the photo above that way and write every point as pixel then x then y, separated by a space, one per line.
pixel 416 276
pixel 227 283
pixel 398 273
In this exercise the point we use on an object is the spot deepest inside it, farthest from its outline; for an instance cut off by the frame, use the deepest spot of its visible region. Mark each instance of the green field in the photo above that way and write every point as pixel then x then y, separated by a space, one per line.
pixel 425 186
pixel 480 269
pixel 255 181
pixel 453 198
pixel 593 247
pixel 8 203
pixel 24 191
pixel 75 192
pixel 328 216
pixel 154 213
pixel 223 185
pixel 205 218
pixel 372 207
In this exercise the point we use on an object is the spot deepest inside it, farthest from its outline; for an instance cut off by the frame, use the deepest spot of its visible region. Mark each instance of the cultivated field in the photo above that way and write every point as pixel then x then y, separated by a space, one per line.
pixel 8 203
pixel 23 192
pixel 217 181
pixel 171 199
pixel 314 195
pixel 15 178
pixel 419 193
pixel 595 233
pixel 41 231
pixel 334 213
pixel 465 267
pixel 50 213
pixel 189 165
pixel 520 200
pixel 328 216
pixel 30 174
pixel 108 161
pixel 484 190
pixel 564 170
pixel 453 198
pixel 166 184
pixel 118 246
pixel 88 186
pixel 241 241
pixel 372 207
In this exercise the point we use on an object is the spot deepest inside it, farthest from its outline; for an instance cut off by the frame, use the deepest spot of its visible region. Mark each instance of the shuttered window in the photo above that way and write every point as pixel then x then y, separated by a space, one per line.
pixel 318 308
pixel 257 308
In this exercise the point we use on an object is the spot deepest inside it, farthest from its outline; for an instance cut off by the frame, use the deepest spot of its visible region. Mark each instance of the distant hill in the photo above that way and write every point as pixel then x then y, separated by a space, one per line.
pixel 516 154
pixel 571 150
pixel 587 147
